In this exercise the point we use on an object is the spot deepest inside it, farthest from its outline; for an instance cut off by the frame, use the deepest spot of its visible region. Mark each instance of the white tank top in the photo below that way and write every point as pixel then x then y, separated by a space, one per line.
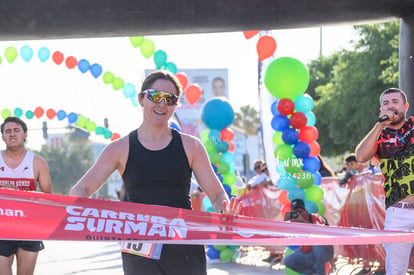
pixel 22 177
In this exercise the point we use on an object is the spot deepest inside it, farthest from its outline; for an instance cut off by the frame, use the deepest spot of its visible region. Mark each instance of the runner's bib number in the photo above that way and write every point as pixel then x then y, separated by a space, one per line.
pixel 148 250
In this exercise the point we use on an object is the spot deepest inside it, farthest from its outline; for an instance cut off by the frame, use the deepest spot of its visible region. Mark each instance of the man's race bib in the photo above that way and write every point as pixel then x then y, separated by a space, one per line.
pixel 148 250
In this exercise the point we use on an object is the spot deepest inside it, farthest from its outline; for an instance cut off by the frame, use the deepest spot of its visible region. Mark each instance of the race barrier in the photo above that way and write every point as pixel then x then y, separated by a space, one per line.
pixel 40 216
pixel 357 204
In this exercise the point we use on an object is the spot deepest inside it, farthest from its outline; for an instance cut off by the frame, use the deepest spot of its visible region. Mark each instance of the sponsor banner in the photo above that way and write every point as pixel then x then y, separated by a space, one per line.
pixel 39 216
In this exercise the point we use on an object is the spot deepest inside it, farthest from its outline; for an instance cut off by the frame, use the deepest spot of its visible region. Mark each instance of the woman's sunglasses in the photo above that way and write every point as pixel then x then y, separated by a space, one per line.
pixel 156 97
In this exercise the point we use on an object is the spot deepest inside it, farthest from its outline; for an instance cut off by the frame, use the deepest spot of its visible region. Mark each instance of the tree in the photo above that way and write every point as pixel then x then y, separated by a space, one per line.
pixel 347 86
pixel 67 163
pixel 247 119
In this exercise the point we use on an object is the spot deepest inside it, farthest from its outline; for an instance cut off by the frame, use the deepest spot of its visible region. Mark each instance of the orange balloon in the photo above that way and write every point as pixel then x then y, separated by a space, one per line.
pixel 227 134
pixel 315 149
pixel 231 147
pixel 50 113
pixel 266 47
pixel 182 77
pixel 283 197
pixel 193 94
pixel 250 34
pixel 71 62
pixel 38 112
pixel 115 136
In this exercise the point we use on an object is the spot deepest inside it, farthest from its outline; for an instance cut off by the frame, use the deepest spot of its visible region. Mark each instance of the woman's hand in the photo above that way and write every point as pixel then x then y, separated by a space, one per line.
pixel 234 206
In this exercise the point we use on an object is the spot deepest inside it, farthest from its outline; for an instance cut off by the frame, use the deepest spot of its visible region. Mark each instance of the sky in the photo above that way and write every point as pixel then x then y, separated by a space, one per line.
pixel 31 84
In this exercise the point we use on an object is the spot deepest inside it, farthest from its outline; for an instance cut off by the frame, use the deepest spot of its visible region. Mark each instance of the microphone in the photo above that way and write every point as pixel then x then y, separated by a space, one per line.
pixel 384 117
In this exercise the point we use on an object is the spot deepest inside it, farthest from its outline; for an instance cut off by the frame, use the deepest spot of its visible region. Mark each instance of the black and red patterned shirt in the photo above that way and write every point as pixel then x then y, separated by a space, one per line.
pixel 395 150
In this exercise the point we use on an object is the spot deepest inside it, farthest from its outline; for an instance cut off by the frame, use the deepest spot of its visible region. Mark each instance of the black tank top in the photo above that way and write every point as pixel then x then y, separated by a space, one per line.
pixel 159 177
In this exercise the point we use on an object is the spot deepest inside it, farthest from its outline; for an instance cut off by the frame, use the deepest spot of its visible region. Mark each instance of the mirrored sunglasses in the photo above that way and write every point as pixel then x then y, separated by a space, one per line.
pixel 156 97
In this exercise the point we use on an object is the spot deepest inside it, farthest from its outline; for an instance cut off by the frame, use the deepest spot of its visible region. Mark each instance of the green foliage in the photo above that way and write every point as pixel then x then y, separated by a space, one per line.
pixel 346 86
pixel 247 119
pixel 67 163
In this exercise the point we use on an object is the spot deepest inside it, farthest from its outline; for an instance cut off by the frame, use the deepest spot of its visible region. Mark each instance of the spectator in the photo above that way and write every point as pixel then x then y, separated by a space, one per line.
pixel 308 259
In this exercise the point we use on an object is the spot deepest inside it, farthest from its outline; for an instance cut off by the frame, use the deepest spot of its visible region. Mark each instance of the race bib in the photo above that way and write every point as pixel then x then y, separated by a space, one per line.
pixel 148 250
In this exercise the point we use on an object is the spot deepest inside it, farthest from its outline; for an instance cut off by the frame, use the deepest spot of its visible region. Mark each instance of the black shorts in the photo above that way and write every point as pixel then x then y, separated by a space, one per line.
pixel 7 248
pixel 175 260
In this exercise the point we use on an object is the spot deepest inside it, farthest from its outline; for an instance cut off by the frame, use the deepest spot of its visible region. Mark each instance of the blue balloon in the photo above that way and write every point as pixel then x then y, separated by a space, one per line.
pixel 217 113
pixel 175 125
pixel 311 207
pixel 290 136
pixel 222 146
pixel 169 66
pixel 301 150
pixel 212 253
pixel 294 247
pixel 160 57
pixel 311 119
pixel 304 103
pixel 296 193
pixel 26 52
pixel 134 99
pixel 72 117
pixel 280 122
pixel 83 65
pixel 43 54
pixel 96 70
pixel 228 157
pixel 317 178
pixel 61 115
pixel 273 107
pixel 128 89
pixel 280 167
pixel 227 188
pixel 286 182
pixel 214 136
pixel 311 164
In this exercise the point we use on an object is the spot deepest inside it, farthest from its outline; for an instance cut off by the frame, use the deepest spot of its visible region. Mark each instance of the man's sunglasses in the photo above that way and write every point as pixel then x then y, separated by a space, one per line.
pixel 157 96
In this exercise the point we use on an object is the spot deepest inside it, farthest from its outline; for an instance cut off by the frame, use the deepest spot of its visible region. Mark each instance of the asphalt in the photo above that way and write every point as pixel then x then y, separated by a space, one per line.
pixel 104 258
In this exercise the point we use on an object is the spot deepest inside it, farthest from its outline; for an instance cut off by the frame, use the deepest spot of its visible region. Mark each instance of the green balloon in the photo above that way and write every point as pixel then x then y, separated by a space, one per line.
pixel 283 151
pixel 210 148
pixel 204 135
pixel 229 178
pixel 321 208
pixel 293 165
pixel 90 126
pixel 18 112
pixel 226 255
pixel 81 122
pixel 117 83
pixel 29 114
pixel 136 40
pixel 11 54
pixel 289 271
pixel 304 179
pixel 219 247
pixel 1 60
pixel 314 193
pixel 5 113
pixel 147 48
pixel 286 77
pixel 223 167
pixel 215 157
pixel 108 77
pixel 277 138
